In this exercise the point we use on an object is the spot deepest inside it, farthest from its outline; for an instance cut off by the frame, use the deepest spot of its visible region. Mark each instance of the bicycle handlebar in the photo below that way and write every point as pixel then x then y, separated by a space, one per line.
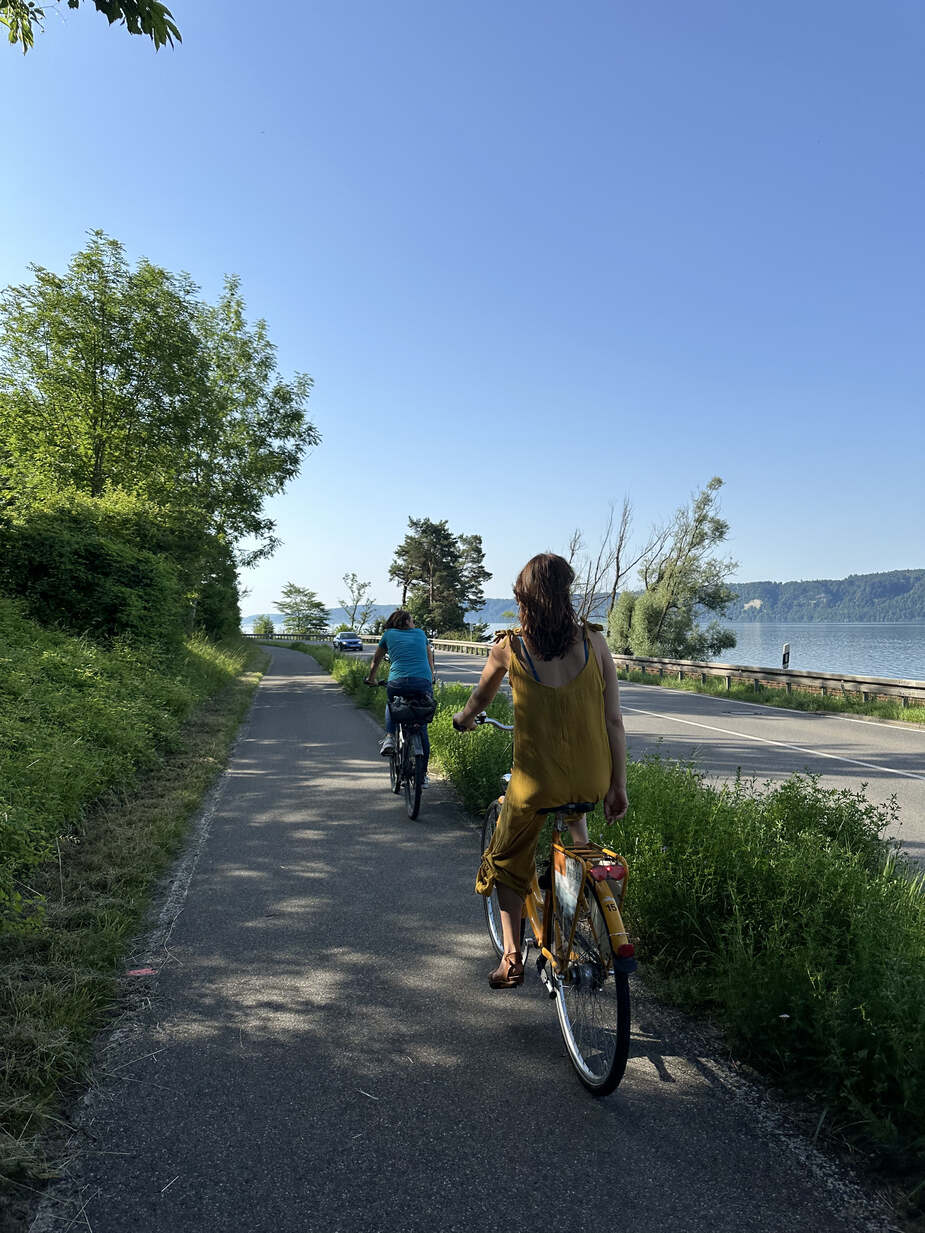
pixel 482 718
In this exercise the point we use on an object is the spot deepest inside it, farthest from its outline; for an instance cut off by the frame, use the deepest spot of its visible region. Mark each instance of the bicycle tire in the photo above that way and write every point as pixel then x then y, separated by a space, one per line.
pixel 490 902
pixel 593 1007
pixel 414 780
pixel 395 772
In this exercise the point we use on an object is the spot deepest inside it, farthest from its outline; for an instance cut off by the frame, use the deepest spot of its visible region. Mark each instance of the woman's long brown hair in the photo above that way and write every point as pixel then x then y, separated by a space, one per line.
pixel 400 619
pixel 543 591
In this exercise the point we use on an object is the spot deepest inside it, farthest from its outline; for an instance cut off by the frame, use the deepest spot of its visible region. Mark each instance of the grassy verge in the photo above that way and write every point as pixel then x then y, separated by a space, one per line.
pixel 783 913
pixel 121 782
pixel 779 910
pixel 797 700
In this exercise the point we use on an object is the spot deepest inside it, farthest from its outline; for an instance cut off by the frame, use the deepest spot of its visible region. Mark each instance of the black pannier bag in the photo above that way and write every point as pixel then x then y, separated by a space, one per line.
pixel 415 709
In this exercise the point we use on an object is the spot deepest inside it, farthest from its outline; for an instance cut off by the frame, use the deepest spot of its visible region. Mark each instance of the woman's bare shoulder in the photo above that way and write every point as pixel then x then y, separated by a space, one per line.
pixel 501 647
pixel 599 642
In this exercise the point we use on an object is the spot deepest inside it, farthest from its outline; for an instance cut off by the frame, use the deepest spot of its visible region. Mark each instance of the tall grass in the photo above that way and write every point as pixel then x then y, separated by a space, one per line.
pixel 778 909
pixel 76 720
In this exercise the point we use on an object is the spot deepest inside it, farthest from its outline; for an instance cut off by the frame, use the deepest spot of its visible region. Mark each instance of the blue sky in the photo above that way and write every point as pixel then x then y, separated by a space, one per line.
pixel 536 256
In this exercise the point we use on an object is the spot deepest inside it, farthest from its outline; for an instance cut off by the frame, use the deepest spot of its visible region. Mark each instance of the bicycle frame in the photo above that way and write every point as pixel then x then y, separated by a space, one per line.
pixel 543 911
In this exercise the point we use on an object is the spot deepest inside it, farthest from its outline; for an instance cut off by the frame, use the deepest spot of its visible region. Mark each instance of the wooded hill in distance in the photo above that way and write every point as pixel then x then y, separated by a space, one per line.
pixel 898 595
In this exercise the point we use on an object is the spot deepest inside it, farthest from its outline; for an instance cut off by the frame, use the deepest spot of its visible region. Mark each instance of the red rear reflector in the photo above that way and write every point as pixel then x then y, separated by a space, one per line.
pixel 626 951
pixel 612 872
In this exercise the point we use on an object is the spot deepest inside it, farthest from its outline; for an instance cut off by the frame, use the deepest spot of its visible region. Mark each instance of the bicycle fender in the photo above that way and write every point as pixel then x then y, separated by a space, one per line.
pixel 615 927
pixel 417 746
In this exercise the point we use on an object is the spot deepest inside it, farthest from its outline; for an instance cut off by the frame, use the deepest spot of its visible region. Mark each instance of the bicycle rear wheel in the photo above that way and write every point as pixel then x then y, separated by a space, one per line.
pixel 490 902
pixel 593 1003
pixel 414 780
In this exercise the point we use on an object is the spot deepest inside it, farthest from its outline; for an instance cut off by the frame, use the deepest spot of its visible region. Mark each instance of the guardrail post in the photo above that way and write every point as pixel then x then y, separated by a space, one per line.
pixel 904 701
pixel 756 684
pixel 788 687
pixel 728 684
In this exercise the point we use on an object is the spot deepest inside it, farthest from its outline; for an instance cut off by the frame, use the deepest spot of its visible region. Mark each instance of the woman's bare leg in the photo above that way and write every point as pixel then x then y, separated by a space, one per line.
pixel 512 907
pixel 579 829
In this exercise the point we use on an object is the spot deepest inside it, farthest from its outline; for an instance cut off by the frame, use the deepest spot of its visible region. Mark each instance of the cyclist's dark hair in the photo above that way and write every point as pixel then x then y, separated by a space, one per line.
pixel 400 619
pixel 543 591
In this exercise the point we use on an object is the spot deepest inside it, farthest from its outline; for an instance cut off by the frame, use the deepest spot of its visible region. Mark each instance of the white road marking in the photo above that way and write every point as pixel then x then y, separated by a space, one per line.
pixel 764 740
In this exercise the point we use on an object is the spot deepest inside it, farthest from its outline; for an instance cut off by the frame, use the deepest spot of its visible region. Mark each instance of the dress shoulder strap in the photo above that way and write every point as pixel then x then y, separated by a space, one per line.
pixel 529 658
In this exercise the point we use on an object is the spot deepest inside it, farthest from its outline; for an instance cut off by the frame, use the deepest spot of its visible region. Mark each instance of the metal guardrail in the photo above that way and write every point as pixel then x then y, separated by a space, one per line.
pixel 318 636
pixel 823 683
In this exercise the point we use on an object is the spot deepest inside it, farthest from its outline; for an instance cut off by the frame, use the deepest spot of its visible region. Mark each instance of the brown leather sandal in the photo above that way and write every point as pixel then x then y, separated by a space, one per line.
pixel 509 973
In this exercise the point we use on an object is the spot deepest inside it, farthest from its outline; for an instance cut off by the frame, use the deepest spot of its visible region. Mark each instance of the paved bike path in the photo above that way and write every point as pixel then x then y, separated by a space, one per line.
pixel 320 1050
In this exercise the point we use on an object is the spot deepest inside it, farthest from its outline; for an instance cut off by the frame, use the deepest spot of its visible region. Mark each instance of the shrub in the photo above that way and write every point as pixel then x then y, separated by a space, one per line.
pixel 73 562
pixel 117 566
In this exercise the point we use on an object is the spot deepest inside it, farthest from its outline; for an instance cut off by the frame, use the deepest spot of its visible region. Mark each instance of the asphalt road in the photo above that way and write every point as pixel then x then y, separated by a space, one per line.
pixel 319 1048
pixel 768 743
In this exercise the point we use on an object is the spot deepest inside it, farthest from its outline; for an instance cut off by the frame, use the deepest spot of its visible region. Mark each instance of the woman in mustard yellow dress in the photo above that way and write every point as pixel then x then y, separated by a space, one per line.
pixel 569 742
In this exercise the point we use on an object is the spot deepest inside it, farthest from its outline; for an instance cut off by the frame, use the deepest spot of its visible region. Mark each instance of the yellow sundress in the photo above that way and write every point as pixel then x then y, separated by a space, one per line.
pixel 561 754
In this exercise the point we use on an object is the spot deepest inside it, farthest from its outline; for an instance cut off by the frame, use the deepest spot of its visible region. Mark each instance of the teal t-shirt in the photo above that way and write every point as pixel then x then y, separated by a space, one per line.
pixel 407 650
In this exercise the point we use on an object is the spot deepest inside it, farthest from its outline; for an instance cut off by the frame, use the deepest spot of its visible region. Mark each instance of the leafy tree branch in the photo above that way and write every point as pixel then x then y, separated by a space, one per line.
pixel 145 17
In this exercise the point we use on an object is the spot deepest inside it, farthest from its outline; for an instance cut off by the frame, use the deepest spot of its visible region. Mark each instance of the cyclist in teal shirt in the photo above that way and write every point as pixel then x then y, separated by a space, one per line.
pixel 411 671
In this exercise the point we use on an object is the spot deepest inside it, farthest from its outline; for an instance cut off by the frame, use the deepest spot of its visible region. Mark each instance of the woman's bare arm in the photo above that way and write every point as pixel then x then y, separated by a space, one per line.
pixel 615 802
pixel 377 660
pixel 494 672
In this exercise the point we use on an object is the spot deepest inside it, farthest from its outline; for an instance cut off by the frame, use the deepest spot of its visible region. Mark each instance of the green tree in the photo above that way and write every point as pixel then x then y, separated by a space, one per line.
pixel 441 574
pixel 264 627
pixel 302 610
pixel 682 581
pixel 119 378
pixel 620 622
pixel 360 602
pixel 146 17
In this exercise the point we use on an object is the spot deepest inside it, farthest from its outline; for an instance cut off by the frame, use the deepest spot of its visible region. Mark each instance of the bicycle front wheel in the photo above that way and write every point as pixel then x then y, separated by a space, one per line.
pixel 414 780
pixel 593 1004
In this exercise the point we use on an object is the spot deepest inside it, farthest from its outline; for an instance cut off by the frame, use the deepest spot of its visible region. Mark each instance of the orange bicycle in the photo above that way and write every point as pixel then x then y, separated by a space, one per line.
pixel 583 954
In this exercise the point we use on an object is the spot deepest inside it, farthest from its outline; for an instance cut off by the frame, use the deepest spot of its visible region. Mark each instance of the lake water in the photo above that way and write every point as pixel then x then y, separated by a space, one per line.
pixel 861 649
